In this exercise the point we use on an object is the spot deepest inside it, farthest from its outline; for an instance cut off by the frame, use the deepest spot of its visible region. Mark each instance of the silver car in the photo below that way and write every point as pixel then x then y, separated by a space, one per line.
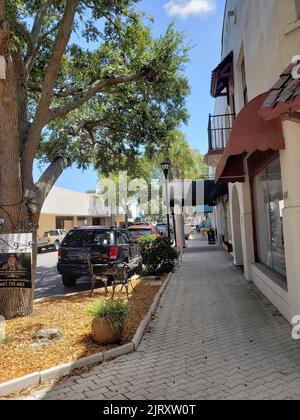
pixel 55 237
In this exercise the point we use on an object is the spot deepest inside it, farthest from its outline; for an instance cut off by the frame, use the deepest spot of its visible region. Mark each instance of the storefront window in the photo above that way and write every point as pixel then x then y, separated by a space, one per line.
pixel 269 206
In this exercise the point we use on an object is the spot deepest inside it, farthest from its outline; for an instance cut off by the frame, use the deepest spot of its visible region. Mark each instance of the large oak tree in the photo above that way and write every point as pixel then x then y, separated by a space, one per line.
pixel 85 83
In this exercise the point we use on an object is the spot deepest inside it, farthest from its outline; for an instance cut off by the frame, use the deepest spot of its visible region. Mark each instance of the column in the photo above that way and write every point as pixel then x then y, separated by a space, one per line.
pixel 180 231
pixel 247 229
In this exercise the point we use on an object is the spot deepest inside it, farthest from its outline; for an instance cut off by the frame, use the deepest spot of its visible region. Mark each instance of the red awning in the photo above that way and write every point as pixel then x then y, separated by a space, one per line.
pixel 222 77
pixel 250 133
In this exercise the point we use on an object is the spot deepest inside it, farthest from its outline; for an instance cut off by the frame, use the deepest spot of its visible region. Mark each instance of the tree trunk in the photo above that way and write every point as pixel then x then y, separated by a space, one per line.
pixel 13 302
pixel 17 219
pixel 18 302
pixel 23 217
pixel 20 199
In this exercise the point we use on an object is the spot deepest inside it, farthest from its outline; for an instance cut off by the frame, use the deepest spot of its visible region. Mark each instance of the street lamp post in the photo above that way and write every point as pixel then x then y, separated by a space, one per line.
pixel 165 167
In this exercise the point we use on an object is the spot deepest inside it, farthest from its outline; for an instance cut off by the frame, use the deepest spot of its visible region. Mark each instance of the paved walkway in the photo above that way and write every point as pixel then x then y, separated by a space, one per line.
pixel 214 337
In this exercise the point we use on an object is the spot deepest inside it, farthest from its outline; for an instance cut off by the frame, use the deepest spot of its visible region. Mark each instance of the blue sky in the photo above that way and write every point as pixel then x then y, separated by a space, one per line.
pixel 201 21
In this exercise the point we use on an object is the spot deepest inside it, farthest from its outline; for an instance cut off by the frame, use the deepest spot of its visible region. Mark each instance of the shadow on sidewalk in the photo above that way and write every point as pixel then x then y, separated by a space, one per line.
pixel 203 248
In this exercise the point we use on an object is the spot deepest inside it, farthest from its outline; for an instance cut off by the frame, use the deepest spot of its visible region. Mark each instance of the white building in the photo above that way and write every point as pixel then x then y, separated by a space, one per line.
pixel 65 209
pixel 254 144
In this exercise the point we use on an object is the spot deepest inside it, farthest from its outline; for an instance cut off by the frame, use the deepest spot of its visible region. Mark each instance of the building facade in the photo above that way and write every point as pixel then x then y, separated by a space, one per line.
pixel 66 209
pixel 254 145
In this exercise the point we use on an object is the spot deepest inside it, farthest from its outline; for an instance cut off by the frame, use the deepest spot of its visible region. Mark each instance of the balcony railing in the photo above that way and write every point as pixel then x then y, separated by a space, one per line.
pixel 219 128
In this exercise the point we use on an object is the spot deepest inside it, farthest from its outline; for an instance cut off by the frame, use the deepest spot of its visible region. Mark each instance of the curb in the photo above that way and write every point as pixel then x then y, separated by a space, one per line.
pixel 144 323
pixel 57 372
pixel 18 385
pixel 118 351
pixel 65 369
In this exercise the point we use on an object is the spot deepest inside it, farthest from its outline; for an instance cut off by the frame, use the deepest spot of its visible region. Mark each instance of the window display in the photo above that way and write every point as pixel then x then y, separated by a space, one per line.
pixel 269 205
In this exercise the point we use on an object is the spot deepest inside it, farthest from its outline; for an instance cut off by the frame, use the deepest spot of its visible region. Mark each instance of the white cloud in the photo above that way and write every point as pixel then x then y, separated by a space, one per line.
pixel 185 8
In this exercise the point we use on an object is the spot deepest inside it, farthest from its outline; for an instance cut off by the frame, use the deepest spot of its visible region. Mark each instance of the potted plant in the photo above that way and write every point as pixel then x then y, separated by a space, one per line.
pixel 227 246
pixel 109 320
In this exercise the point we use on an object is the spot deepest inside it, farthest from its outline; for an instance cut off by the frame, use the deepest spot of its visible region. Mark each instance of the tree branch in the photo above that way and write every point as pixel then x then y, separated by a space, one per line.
pixel 20 71
pixel 39 19
pixel 21 28
pixel 59 94
pixel 51 74
pixel 34 53
pixel 2 10
pixel 5 38
pixel 35 36
pixel 92 122
pixel 49 177
pixel 95 88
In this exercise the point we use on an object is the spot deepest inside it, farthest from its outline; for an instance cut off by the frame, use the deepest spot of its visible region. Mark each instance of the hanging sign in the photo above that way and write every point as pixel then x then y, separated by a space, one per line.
pixel 16 260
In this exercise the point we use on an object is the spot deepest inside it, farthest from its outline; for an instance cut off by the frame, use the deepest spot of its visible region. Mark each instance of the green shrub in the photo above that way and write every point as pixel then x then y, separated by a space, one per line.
pixel 158 255
pixel 205 231
pixel 115 312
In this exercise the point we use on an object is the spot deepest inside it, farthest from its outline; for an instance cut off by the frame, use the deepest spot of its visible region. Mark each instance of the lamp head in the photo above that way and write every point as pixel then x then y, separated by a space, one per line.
pixel 165 167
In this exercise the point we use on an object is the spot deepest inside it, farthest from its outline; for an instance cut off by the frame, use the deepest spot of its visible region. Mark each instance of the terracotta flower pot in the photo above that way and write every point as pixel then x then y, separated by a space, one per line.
pixel 103 333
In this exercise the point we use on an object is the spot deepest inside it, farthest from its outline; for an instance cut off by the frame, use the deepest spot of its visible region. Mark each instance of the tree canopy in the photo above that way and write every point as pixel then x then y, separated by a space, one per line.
pixel 85 82
pixel 117 87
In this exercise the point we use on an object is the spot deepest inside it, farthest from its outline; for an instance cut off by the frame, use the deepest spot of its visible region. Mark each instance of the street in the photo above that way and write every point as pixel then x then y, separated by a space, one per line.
pixel 48 281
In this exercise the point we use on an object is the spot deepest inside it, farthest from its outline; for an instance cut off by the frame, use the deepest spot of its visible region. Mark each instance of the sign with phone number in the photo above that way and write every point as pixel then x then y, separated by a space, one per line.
pixel 16 261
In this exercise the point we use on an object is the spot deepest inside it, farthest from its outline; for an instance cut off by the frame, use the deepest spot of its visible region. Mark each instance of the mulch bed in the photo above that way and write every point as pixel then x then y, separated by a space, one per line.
pixel 68 314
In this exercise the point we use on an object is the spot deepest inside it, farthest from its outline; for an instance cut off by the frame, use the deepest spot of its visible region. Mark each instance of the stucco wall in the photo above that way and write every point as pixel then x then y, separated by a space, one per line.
pixel 265 33
pixel 46 222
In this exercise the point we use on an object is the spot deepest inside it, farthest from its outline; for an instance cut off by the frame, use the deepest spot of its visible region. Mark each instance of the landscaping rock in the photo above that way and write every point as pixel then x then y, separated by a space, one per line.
pixel 40 344
pixel 47 335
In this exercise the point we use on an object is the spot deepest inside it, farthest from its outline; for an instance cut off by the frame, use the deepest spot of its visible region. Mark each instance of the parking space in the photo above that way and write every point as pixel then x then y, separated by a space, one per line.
pixel 48 282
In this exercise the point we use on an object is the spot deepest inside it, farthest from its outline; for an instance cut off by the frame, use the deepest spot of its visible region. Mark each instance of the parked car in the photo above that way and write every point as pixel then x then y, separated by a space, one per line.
pixel 137 231
pixel 44 244
pixel 56 236
pixel 163 230
pixel 104 246
pixel 141 224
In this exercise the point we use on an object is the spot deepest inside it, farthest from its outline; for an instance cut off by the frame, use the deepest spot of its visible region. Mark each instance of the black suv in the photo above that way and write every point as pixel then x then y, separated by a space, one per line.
pixel 103 246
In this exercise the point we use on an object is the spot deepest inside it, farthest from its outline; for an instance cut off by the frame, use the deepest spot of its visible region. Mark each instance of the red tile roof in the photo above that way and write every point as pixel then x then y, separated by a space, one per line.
pixel 284 96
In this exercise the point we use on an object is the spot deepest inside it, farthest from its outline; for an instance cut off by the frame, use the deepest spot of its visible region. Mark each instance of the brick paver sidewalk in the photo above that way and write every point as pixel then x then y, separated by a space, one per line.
pixel 214 337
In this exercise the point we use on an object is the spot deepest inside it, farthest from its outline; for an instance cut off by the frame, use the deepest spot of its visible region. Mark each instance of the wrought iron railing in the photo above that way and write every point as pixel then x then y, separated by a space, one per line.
pixel 219 128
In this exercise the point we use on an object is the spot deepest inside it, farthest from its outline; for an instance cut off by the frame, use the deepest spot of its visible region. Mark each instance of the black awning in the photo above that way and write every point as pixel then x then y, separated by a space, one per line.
pixel 212 192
